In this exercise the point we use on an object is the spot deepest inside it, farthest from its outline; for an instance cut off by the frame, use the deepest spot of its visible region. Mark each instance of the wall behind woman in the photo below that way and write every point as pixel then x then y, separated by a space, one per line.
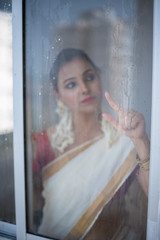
pixel 116 37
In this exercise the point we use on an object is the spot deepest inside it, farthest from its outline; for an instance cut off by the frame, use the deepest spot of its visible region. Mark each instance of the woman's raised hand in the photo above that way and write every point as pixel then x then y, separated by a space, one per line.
pixel 130 122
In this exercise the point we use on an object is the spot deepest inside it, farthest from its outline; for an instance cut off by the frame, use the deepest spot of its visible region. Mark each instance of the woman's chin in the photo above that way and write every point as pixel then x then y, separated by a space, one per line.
pixel 90 108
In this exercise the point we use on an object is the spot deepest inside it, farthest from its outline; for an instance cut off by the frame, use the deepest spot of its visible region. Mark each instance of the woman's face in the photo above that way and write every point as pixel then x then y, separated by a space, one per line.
pixel 79 86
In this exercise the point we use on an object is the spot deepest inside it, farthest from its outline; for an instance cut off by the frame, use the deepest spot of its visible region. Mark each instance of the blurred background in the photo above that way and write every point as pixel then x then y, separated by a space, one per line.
pixel 117 35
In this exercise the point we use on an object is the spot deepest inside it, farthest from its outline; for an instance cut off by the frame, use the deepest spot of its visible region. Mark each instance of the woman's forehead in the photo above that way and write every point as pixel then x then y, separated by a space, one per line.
pixel 74 68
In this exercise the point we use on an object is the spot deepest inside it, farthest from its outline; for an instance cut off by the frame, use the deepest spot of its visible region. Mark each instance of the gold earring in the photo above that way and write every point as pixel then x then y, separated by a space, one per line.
pixel 62 107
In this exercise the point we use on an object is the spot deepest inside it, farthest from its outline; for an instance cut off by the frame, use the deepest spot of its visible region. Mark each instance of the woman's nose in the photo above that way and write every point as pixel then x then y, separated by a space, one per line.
pixel 84 88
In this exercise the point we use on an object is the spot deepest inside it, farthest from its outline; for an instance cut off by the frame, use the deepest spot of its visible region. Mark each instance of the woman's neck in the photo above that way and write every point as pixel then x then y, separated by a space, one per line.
pixel 86 126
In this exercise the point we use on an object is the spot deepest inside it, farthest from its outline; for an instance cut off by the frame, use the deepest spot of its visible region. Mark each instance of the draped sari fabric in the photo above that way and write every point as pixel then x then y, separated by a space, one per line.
pixel 79 184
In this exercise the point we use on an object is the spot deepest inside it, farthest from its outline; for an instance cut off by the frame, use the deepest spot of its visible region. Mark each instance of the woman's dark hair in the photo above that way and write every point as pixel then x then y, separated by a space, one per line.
pixel 65 56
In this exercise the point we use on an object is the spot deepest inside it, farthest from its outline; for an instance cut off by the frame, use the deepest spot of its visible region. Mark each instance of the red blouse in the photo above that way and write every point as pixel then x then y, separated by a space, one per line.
pixel 44 151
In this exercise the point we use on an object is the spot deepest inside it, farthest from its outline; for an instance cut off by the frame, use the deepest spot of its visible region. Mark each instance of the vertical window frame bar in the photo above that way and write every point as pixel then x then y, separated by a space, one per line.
pixel 18 106
pixel 153 223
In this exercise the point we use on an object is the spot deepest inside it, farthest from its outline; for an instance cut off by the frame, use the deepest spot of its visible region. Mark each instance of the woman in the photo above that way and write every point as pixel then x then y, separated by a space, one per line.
pixel 88 162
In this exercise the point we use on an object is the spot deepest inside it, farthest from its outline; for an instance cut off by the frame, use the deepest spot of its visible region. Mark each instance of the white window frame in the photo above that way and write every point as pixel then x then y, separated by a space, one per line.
pixel 7 229
pixel 19 167
pixel 153 225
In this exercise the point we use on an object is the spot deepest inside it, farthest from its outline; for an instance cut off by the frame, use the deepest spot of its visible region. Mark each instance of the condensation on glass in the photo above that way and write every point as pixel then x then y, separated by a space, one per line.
pixel 78 183
pixel 7 206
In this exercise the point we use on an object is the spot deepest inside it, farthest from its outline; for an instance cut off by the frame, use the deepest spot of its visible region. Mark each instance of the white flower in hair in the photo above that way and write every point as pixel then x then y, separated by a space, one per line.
pixel 63 135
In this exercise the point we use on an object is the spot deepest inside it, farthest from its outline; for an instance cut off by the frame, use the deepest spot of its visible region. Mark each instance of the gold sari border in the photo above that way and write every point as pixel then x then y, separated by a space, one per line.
pixel 82 226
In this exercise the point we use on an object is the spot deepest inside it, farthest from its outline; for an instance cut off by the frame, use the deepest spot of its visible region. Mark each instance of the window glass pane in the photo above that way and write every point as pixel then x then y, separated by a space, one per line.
pixel 83 175
pixel 7 207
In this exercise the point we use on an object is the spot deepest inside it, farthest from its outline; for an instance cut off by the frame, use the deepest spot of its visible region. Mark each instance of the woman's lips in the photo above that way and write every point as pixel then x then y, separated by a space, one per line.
pixel 88 100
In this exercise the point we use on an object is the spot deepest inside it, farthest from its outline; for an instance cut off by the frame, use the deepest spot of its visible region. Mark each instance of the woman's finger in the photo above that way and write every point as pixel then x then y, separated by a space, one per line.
pixel 112 103
pixel 128 123
pixel 110 119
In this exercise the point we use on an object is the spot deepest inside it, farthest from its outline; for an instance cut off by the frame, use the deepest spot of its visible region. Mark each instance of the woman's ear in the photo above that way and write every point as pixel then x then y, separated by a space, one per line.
pixel 56 95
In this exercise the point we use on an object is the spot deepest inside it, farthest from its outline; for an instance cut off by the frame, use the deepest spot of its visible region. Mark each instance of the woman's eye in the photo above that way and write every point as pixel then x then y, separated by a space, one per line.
pixel 90 78
pixel 71 85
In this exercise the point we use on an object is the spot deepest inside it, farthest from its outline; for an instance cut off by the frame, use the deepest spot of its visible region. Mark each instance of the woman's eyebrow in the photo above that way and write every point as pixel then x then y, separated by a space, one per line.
pixel 69 79
pixel 73 78
pixel 88 70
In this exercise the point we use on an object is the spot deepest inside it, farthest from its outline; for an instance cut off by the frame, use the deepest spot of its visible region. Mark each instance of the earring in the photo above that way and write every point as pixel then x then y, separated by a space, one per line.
pixel 61 108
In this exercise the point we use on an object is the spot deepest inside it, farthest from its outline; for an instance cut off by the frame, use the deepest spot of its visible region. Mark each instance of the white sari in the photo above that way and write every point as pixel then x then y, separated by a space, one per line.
pixel 78 185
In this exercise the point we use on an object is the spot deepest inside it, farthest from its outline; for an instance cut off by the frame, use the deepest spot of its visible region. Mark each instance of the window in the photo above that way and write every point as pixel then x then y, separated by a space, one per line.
pixel 7 205
pixel 117 36
pixel 60 193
